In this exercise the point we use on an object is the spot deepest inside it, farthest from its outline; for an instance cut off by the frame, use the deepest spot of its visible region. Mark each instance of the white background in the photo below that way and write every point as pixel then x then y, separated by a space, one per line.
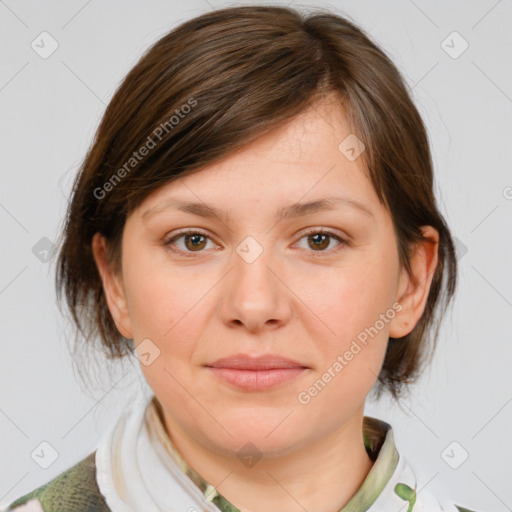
pixel 50 109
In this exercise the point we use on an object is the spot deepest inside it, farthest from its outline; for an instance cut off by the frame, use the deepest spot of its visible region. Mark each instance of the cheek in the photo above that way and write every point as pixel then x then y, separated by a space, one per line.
pixel 350 358
pixel 345 301
pixel 156 298
pixel 167 305
pixel 354 304
pixel 164 307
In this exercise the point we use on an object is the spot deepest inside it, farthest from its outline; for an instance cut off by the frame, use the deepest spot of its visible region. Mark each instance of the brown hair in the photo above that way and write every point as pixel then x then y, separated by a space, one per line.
pixel 209 87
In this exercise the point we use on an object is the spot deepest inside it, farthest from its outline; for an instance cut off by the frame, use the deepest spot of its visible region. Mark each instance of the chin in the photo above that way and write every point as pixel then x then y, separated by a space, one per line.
pixel 269 433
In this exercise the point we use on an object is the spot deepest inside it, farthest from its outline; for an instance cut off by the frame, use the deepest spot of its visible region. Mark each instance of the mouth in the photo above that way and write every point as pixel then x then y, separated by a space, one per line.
pixel 253 374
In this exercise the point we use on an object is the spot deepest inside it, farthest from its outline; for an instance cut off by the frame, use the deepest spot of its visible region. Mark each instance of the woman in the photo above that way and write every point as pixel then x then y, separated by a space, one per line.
pixel 255 222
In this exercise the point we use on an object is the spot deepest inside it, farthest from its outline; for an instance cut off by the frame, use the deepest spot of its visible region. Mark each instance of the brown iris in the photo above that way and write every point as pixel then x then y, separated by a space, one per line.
pixel 196 243
pixel 324 240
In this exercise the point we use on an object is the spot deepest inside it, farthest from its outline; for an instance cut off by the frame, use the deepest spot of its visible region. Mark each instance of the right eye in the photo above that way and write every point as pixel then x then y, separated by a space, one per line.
pixel 193 241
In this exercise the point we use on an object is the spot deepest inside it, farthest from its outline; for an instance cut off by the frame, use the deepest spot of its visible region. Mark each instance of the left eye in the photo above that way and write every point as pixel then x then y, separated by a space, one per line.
pixel 318 240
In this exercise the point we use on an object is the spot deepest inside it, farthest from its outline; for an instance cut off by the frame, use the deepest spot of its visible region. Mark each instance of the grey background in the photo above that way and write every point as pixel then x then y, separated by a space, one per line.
pixel 50 108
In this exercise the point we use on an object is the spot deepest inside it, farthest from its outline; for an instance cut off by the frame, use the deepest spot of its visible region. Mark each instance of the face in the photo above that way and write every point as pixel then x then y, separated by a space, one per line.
pixel 320 285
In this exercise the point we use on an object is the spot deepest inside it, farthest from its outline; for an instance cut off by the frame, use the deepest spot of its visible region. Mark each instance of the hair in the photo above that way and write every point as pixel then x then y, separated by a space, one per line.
pixel 209 87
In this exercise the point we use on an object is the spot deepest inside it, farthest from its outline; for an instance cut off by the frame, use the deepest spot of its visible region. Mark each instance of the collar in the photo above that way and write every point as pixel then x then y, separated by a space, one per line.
pixel 138 468
pixel 378 441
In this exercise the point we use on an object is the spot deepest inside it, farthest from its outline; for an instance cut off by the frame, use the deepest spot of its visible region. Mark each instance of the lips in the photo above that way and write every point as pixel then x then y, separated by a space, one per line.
pixel 256 373
pixel 246 362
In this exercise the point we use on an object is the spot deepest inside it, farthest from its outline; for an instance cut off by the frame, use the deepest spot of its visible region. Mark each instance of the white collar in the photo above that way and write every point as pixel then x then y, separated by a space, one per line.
pixel 136 471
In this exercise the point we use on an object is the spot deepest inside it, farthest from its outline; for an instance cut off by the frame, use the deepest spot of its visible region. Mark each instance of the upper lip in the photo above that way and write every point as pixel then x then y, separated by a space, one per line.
pixel 247 362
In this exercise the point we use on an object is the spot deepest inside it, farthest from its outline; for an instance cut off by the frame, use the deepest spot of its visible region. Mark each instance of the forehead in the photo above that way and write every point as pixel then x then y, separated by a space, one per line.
pixel 299 161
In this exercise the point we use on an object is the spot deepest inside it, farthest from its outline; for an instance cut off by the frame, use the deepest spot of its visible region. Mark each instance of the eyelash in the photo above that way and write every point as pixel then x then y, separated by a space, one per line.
pixel 312 231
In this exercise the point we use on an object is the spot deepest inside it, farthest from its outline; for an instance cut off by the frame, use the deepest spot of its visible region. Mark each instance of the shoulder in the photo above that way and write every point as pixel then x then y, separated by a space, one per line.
pixel 74 490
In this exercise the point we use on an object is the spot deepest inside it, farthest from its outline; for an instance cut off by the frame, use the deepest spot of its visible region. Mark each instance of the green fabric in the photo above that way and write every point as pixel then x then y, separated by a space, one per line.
pixel 74 490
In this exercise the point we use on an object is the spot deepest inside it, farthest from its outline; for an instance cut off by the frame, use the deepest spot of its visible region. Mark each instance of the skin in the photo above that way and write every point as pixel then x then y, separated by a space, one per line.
pixel 295 300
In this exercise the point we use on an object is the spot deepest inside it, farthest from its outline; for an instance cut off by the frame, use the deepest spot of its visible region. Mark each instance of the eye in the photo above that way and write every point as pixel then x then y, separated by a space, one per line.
pixel 319 239
pixel 193 240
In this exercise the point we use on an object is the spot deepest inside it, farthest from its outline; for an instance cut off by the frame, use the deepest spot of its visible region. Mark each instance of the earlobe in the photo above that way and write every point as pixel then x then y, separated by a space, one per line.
pixel 414 287
pixel 112 287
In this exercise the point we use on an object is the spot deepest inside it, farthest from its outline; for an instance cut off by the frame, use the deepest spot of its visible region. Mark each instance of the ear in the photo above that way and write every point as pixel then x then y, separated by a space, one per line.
pixel 414 287
pixel 112 287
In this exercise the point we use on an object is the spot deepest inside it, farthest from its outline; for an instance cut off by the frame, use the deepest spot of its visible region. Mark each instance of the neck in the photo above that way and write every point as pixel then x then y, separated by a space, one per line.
pixel 322 475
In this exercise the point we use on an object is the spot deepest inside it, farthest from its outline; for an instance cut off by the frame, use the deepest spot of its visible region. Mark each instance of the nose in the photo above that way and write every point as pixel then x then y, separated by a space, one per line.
pixel 254 294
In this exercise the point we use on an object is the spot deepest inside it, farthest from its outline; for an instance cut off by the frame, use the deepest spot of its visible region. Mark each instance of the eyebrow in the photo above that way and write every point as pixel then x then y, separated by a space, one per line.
pixel 293 210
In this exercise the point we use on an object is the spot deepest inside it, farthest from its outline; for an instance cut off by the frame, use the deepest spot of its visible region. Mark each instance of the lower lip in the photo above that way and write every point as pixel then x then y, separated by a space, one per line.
pixel 252 380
